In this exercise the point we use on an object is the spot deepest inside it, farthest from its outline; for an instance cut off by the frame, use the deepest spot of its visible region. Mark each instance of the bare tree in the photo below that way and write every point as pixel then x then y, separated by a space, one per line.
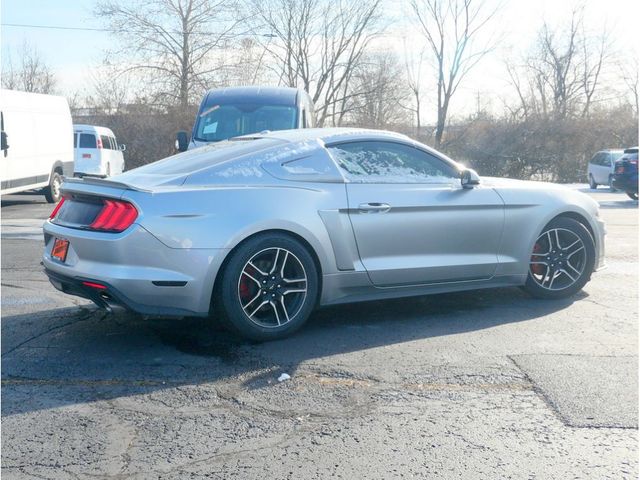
pixel 246 62
pixel 451 28
pixel 595 52
pixel 317 45
pixel 413 68
pixel 563 71
pixel 30 73
pixel 173 41
pixel 379 89
pixel 629 69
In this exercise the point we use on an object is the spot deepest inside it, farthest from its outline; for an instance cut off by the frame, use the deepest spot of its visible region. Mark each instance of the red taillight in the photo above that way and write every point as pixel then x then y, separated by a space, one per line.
pixel 55 210
pixel 115 216
pixel 94 285
pixel 99 142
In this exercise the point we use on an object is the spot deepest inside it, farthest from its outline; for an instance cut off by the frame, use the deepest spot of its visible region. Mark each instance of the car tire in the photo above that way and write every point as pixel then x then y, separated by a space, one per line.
pixel 611 187
pixel 268 288
pixel 632 195
pixel 592 183
pixel 52 192
pixel 564 252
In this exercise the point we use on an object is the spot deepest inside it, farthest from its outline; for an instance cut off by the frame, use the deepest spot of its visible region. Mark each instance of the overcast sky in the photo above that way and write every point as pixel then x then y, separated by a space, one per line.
pixel 73 53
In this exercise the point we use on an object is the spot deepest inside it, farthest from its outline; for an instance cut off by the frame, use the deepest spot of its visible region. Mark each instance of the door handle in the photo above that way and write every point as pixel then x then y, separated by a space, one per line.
pixel 374 207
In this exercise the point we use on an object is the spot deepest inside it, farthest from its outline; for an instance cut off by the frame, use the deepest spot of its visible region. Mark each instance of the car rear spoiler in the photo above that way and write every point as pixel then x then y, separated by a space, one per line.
pixel 101 182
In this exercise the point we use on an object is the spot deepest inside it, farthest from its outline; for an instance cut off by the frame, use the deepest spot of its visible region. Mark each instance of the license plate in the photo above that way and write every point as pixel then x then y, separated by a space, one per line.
pixel 60 249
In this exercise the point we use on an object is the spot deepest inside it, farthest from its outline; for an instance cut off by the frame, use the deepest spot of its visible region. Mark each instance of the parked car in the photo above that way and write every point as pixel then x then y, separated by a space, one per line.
pixel 97 152
pixel 259 230
pixel 234 111
pixel 626 173
pixel 36 143
pixel 601 166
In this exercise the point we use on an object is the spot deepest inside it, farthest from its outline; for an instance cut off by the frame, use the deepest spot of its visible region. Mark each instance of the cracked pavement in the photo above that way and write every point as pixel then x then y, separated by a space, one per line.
pixel 482 384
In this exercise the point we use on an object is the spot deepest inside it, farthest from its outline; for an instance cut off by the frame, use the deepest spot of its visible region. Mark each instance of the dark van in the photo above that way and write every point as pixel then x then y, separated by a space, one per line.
pixel 234 111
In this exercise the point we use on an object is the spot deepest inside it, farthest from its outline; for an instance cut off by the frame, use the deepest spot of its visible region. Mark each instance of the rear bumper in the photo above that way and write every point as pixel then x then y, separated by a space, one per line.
pixel 626 182
pixel 139 272
pixel 108 298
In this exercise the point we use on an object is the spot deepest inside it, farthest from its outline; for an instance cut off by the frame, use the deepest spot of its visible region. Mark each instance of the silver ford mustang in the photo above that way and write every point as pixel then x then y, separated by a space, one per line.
pixel 259 230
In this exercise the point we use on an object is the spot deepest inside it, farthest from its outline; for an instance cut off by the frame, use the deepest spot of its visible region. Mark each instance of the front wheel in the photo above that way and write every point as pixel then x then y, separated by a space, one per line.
pixel 52 192
pixel 632 195
pixel 268 288
pixel 562 260
pixel 592 183
pixel 611 187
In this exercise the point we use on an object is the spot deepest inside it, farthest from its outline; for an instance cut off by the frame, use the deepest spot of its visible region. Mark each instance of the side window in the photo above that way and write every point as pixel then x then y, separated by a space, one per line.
pixel 87 140
pixel 75 140
pixel 112 142
pixel 606 159
pixel 105 142
pixel 390 162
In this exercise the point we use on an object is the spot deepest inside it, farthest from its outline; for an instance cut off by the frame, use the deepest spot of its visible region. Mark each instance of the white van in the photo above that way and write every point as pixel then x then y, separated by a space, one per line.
pixel 97 154
pixel 36 143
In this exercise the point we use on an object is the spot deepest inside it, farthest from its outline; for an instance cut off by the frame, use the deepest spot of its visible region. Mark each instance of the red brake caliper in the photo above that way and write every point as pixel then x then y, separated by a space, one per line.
pixel 536 268
pixel 244 288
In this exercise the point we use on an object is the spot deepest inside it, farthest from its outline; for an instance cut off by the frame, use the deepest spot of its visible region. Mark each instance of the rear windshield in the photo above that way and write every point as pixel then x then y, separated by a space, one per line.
pixel 207 156
pixel 87 140
pixel 220 122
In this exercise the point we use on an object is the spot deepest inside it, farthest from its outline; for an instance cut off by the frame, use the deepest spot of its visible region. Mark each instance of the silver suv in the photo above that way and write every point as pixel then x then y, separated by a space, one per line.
pixel 601 167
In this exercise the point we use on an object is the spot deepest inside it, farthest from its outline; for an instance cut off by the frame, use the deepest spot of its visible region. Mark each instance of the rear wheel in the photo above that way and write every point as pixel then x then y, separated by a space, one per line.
pixel 562 260
pixel 632 195
pixel 611 187
pixel 268 288
pixel 52 192
pixel 592 183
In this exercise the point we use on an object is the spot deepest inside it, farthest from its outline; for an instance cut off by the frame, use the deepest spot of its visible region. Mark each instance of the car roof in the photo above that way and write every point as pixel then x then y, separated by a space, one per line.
pixel 92 128
pixel 261 94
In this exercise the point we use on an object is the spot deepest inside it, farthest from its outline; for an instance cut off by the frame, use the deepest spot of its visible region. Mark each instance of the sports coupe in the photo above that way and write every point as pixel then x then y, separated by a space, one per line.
pixel 260 230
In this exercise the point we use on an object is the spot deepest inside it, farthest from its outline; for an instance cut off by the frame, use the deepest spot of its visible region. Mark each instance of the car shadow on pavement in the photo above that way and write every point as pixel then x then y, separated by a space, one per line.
pixel 79 355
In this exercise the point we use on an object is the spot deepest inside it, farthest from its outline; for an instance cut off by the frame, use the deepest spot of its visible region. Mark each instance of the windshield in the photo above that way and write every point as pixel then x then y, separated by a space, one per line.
pixel 220 122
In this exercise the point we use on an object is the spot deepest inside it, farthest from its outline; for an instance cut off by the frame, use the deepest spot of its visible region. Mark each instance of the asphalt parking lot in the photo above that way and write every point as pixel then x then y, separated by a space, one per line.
pixel 483 384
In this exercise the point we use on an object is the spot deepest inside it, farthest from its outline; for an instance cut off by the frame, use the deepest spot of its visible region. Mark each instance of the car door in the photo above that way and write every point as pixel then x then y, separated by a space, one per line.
pixel 87 156
pixel 106 161
pixel 413 222
pixel 603 168
pixel 606 167
pixel 117 165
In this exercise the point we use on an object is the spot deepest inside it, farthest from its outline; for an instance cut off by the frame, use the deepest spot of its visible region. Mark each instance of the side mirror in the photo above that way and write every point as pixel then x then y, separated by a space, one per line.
pixel 122 147
pixel 469 178
pixel 182 141
pixel 5 143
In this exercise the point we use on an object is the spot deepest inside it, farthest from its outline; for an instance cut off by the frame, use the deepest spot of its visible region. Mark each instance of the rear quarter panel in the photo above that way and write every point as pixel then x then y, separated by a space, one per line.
pixel 222 217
